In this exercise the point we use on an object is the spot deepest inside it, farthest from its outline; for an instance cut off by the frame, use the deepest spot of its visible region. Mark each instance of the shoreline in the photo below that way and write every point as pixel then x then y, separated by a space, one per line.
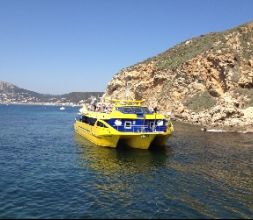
pixel 41 104
pixel 203 128
pixel 217 129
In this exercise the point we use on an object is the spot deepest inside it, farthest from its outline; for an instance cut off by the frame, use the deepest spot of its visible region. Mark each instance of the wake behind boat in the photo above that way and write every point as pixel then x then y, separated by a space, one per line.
pixel 128 122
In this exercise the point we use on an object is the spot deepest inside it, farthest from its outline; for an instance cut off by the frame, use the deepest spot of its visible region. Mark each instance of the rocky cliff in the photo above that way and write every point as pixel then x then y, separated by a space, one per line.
pixel 207 80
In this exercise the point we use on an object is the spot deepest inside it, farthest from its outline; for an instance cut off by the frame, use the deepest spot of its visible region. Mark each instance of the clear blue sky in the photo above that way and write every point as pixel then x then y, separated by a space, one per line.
pixel 59 46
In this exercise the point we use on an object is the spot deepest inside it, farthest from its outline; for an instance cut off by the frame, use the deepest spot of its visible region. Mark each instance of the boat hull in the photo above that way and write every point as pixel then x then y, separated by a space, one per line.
pixel 140 141
pixel 108 137
pixel 88 132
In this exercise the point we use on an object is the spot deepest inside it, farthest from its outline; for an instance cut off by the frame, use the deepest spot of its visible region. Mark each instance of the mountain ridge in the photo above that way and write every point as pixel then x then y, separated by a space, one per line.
pixel 10 93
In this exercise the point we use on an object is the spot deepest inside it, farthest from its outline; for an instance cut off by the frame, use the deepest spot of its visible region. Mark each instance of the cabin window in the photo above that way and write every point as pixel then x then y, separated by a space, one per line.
pixel 100 124
pixel 87 120
pixel 152 124
pixel 134 110
pixel 84 119
pixel 92 121
pixel 128 125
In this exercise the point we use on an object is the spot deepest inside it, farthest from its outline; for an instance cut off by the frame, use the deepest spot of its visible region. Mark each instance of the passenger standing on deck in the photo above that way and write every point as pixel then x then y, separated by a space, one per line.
pixel 155 109
pixel 94 103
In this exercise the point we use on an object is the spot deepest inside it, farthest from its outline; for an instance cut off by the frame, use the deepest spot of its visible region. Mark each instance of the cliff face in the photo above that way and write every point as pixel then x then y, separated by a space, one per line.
pixel 207 80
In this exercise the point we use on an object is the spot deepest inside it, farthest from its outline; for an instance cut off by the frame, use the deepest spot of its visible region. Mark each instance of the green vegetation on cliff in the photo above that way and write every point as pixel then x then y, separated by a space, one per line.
pixel 200 101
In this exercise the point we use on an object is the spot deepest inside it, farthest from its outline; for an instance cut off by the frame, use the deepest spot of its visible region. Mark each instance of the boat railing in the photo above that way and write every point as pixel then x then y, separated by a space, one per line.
pixel 117 102
pixel 138 128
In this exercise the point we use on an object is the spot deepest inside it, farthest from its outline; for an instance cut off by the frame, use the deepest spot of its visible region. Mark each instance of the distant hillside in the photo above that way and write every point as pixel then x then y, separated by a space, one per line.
pixel 78 96
pixel 11 93
pixel 206 80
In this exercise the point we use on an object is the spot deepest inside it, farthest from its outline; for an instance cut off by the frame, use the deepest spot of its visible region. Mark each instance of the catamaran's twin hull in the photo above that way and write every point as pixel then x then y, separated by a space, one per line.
pixel 107 137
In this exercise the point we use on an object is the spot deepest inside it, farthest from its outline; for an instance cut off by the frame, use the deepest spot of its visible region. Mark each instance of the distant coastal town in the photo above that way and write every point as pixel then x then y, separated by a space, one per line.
pixel 20 99
pixel 11 94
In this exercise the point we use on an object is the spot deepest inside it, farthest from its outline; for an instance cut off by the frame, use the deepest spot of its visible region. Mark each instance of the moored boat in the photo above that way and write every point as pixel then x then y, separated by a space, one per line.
pixel 128 122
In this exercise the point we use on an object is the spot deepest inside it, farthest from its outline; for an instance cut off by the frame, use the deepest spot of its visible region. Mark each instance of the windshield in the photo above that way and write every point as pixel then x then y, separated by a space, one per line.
pixel 134 110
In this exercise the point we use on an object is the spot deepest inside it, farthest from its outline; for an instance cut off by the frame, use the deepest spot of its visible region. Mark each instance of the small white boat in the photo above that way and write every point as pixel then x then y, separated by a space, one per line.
pixel 62 108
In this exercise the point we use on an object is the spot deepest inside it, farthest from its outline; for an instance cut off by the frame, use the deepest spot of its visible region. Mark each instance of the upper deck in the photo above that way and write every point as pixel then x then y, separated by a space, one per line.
pixel 121 103
pixel 128 116
pixel 124 109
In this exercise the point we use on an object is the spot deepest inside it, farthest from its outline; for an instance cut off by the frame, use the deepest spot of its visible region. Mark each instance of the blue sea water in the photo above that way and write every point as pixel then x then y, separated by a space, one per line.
pixel 47 171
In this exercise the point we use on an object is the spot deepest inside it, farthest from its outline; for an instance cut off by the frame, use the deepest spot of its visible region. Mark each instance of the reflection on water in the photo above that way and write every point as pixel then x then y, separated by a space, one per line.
pixel 109 161
pixel 200 175
pixel 124 177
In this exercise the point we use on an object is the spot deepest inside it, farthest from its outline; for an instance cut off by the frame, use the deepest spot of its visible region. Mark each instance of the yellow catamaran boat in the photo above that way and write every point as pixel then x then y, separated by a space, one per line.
pixel 127 123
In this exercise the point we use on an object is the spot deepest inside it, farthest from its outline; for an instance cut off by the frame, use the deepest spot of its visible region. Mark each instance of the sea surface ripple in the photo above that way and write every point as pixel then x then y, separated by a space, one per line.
pixel 47 171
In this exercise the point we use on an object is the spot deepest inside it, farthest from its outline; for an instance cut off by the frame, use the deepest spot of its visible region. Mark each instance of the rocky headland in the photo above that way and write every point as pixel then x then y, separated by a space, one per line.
pixel 207 80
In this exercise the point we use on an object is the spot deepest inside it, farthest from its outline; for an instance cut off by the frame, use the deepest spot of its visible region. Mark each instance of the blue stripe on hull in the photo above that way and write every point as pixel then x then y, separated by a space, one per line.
pixel 137 125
